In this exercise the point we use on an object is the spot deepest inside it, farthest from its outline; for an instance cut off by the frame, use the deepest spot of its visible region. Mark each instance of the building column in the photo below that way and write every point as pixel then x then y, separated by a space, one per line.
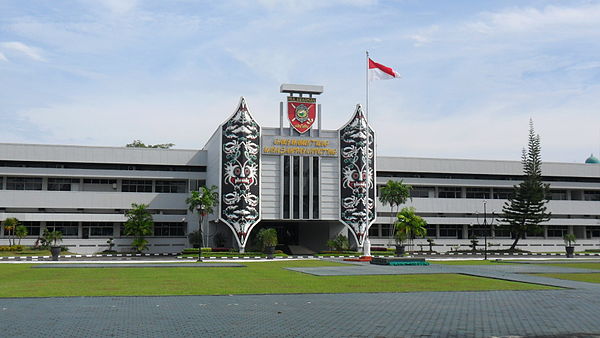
pixel 437 231
pixel 545 232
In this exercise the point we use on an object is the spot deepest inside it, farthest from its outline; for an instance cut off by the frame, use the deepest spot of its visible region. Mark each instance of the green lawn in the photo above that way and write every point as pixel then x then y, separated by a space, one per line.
pixel 582 265
pixel 580 277
pixel 19 280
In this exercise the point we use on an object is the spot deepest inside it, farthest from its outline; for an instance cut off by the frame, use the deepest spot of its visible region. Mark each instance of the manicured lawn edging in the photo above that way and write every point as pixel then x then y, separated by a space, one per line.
pixel 19 280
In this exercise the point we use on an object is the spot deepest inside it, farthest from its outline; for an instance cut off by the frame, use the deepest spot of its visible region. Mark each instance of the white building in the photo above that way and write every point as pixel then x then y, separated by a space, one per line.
pixel 308 183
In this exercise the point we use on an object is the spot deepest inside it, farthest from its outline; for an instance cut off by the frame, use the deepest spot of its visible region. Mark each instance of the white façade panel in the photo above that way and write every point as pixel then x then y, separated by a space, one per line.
pixel 270 187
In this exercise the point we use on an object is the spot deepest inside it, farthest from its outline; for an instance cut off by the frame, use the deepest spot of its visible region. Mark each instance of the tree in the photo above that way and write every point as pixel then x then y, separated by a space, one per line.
pixel 53 237
pixel 526 208
pixel 10 225
pixel 21 232
pixel 139 224
pixel 394 193
pixel 203 202
pixel 409 225
pixel 140 144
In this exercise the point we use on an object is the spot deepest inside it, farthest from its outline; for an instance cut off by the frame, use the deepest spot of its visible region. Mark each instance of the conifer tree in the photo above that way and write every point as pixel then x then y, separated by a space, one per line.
pixel 526 208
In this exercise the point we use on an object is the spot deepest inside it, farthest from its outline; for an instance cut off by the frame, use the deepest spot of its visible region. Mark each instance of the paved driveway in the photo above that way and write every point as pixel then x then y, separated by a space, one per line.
pixel 453 314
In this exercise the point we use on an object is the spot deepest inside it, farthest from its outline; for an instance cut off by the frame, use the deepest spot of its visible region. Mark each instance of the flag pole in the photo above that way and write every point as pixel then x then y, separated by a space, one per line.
pixel 367 86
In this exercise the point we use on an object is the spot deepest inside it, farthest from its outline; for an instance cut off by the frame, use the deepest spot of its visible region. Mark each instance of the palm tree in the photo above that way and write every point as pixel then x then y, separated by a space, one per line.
pixel 409 225
pixel 21 232
pixel 394 193
pixel 203 202
pixel 10 225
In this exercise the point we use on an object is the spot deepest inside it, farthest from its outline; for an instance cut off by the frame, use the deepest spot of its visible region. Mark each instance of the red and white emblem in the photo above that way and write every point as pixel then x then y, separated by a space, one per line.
pixel 302 112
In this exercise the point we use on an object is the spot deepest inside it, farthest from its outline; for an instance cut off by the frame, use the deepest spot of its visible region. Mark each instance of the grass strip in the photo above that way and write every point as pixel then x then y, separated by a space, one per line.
pixel 19 280
pixel 466 262
pixel 579 277
pixel 582 265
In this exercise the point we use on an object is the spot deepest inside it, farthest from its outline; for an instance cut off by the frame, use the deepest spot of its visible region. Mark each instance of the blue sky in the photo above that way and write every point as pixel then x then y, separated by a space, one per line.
pixel 105 72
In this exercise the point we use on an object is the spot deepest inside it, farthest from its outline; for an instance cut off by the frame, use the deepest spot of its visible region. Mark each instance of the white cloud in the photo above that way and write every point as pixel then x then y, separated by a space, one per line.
pixel 21 48
pixel 3 58
pixel 118 7
pixel 519 20
pixel 423 36
pixel 308 5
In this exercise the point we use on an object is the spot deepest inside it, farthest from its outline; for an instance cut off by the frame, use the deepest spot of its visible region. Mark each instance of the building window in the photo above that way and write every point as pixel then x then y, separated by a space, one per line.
pixel 98 181
pixel 374 230
pixel 66 228
pixel 449 192
pixel 502 232
pixel 479 232
pixel 286 187
pixel 23 183
pixel 482 193
pixel 305 187
pixel 420 192
pixel 592 232
pixel 315 177
pixel 591 195
pixel 196 184
pixel 387 230
pixel 450 231
pixel 533 234
pixel 557 231
pixel 557 195
pixel 102 229
pixel 431 231
pixel 502 194
pixel 169 229
pixel 61 184
pixel 171 186
pixel 99 184
pixel 33 228
pixel 137 186
pixel 296 187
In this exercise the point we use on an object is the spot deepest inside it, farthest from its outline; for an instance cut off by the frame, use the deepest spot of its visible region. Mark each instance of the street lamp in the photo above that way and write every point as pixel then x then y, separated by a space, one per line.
pixel 485 225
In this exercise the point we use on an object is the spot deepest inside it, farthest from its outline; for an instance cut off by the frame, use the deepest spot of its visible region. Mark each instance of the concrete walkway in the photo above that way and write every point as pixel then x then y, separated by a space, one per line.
pixel 439 314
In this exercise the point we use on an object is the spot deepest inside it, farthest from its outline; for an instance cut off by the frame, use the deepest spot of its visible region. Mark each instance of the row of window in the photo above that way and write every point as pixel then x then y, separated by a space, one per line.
pixel 457 231
pixel 454 176
pixel 100 229
pixel 498 193
pixel 94 184
pixel 102 166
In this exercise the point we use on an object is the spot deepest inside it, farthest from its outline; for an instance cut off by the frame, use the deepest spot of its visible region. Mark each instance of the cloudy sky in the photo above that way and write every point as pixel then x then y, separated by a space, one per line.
pixel 105 72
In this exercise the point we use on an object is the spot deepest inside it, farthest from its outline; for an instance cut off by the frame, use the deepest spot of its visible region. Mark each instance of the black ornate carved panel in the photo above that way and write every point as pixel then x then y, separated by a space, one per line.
pixel 357 175
pixel 240 167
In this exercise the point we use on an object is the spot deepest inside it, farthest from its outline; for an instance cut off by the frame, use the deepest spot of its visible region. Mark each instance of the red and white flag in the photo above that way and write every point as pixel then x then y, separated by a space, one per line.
pixel 378 71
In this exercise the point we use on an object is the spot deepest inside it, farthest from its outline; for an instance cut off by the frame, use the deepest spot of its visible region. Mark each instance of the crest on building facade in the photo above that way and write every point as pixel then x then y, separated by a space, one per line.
pixel 357 175
pixel 302 112
pixel 240 177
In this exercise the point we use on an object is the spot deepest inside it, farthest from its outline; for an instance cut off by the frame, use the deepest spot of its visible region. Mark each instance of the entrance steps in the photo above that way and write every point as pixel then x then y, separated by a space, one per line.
pixel 299 250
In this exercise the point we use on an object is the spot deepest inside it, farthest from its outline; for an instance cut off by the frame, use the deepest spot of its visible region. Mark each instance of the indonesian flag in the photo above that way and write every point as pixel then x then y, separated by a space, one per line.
pixel 378 71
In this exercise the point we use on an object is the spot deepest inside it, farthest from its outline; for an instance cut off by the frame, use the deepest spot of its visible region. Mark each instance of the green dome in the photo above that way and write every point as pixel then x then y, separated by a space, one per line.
pixel 592 159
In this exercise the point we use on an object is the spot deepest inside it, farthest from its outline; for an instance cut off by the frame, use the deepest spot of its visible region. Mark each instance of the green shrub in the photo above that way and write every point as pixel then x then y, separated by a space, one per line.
pixel 267 237
pixel 11 247
pixel 340 243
